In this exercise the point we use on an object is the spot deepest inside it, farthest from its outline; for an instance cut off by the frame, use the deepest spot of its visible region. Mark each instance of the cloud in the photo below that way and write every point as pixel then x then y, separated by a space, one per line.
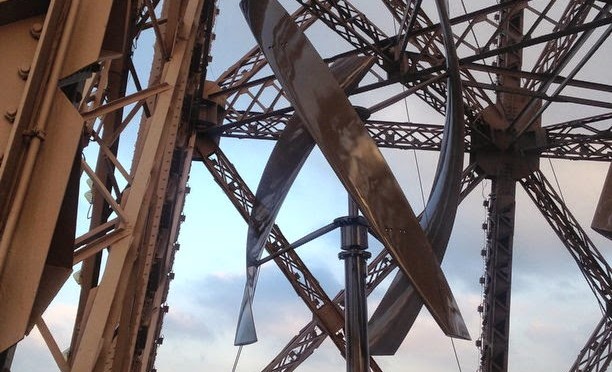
pixel 32 354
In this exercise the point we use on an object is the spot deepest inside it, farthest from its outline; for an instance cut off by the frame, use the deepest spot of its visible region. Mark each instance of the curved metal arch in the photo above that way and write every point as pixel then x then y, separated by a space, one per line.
pixel 401 304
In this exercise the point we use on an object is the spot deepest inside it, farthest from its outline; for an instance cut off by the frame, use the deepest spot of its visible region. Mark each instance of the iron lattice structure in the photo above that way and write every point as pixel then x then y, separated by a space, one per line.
pixel 72 93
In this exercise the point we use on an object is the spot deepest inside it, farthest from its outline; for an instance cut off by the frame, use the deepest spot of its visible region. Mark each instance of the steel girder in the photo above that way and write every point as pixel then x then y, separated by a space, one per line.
pixel 498 276
pixel 591 262
pixel 428 43
pixel 136 213
pixel 595 356
pixel 264 118
pixel 576 140
pixel 572 141
pixel 40 195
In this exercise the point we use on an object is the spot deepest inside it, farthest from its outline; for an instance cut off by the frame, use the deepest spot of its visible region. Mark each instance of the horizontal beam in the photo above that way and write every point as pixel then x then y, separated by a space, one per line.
pixel 583 143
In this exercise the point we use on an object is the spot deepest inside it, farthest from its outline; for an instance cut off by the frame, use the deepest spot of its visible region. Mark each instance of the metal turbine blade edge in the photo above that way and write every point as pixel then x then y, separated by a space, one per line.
pixel 399 307
pixel 355 158
pixel 286 160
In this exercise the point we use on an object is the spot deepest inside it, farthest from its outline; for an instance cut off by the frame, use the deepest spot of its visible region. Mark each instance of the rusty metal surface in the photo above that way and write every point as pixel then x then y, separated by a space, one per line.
pixel 401 304
pixel 353 155
pixel 284 164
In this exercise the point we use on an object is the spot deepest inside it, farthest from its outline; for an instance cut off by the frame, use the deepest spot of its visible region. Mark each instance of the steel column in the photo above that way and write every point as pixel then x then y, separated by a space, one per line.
pixel 312 335
pixel 354 254
pixel 496 322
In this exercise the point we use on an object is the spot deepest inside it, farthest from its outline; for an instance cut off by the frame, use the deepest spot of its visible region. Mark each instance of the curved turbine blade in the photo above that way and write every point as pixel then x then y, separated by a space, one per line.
pixel 400 305
pixel 284 164
pixel 602 220
pixel 333 123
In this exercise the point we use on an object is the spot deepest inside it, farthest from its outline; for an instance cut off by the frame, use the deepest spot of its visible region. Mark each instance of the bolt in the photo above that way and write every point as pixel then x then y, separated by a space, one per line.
pixel 36 30
pixel 10 114
pixel 24 71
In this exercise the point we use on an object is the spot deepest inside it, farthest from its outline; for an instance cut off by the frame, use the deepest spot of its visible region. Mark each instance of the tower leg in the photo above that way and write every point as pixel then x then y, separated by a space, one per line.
pixel 496 323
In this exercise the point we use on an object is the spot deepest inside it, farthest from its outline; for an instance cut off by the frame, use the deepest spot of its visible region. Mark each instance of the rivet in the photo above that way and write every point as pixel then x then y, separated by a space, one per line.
pixel 10 114
pixel 24 71
pixel 36 30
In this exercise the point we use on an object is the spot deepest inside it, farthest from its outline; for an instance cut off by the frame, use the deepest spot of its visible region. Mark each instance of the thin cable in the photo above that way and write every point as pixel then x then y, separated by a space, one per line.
pixel 456 356
pixel 556 180
pixel 416 160
pixel 237 358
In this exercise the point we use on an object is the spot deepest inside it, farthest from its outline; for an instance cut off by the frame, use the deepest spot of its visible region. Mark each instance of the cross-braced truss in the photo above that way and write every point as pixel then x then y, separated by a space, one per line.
pixel 75 106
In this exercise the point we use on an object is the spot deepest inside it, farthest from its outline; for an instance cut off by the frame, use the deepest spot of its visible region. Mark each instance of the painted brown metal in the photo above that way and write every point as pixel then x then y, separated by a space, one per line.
pixel 149 170
pixel 284 164
pixel 19 119
pixel 357 161
pixel 15 10
pixel 401 304
pixel 34 266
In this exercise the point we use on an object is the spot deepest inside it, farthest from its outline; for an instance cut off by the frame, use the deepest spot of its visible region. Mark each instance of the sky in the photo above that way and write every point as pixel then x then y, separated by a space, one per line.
pixel 553 310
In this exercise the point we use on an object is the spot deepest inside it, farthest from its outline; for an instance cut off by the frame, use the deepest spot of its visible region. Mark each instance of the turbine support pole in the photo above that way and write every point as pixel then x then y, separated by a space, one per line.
pixel 354 245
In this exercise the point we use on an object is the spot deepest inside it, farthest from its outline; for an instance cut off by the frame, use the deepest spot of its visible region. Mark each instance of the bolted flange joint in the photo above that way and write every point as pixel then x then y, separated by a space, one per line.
pixel 354 233
pixel 357 253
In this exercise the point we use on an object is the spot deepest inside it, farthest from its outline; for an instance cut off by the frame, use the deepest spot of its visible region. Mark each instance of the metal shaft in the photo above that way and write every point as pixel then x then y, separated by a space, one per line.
pixel 354 254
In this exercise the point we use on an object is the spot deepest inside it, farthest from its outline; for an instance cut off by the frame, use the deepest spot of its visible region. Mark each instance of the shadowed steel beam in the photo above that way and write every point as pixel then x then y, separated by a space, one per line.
pixel 298 349
pixel 596 355
pixel 602 220
pixel 590 261
pixel 407 25
pixel 109 310
pixel 111 125
pixel 496 321
pixel 502 208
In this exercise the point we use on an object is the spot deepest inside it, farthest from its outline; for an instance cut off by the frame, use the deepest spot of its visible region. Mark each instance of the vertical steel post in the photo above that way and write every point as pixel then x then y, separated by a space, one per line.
pixel 354 254
pixel 496 323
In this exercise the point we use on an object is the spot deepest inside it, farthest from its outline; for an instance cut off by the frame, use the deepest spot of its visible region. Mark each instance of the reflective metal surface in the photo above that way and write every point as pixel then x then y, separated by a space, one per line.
pixel 354 253
pixel 400 305
pixel 284 164
pixel 357 161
